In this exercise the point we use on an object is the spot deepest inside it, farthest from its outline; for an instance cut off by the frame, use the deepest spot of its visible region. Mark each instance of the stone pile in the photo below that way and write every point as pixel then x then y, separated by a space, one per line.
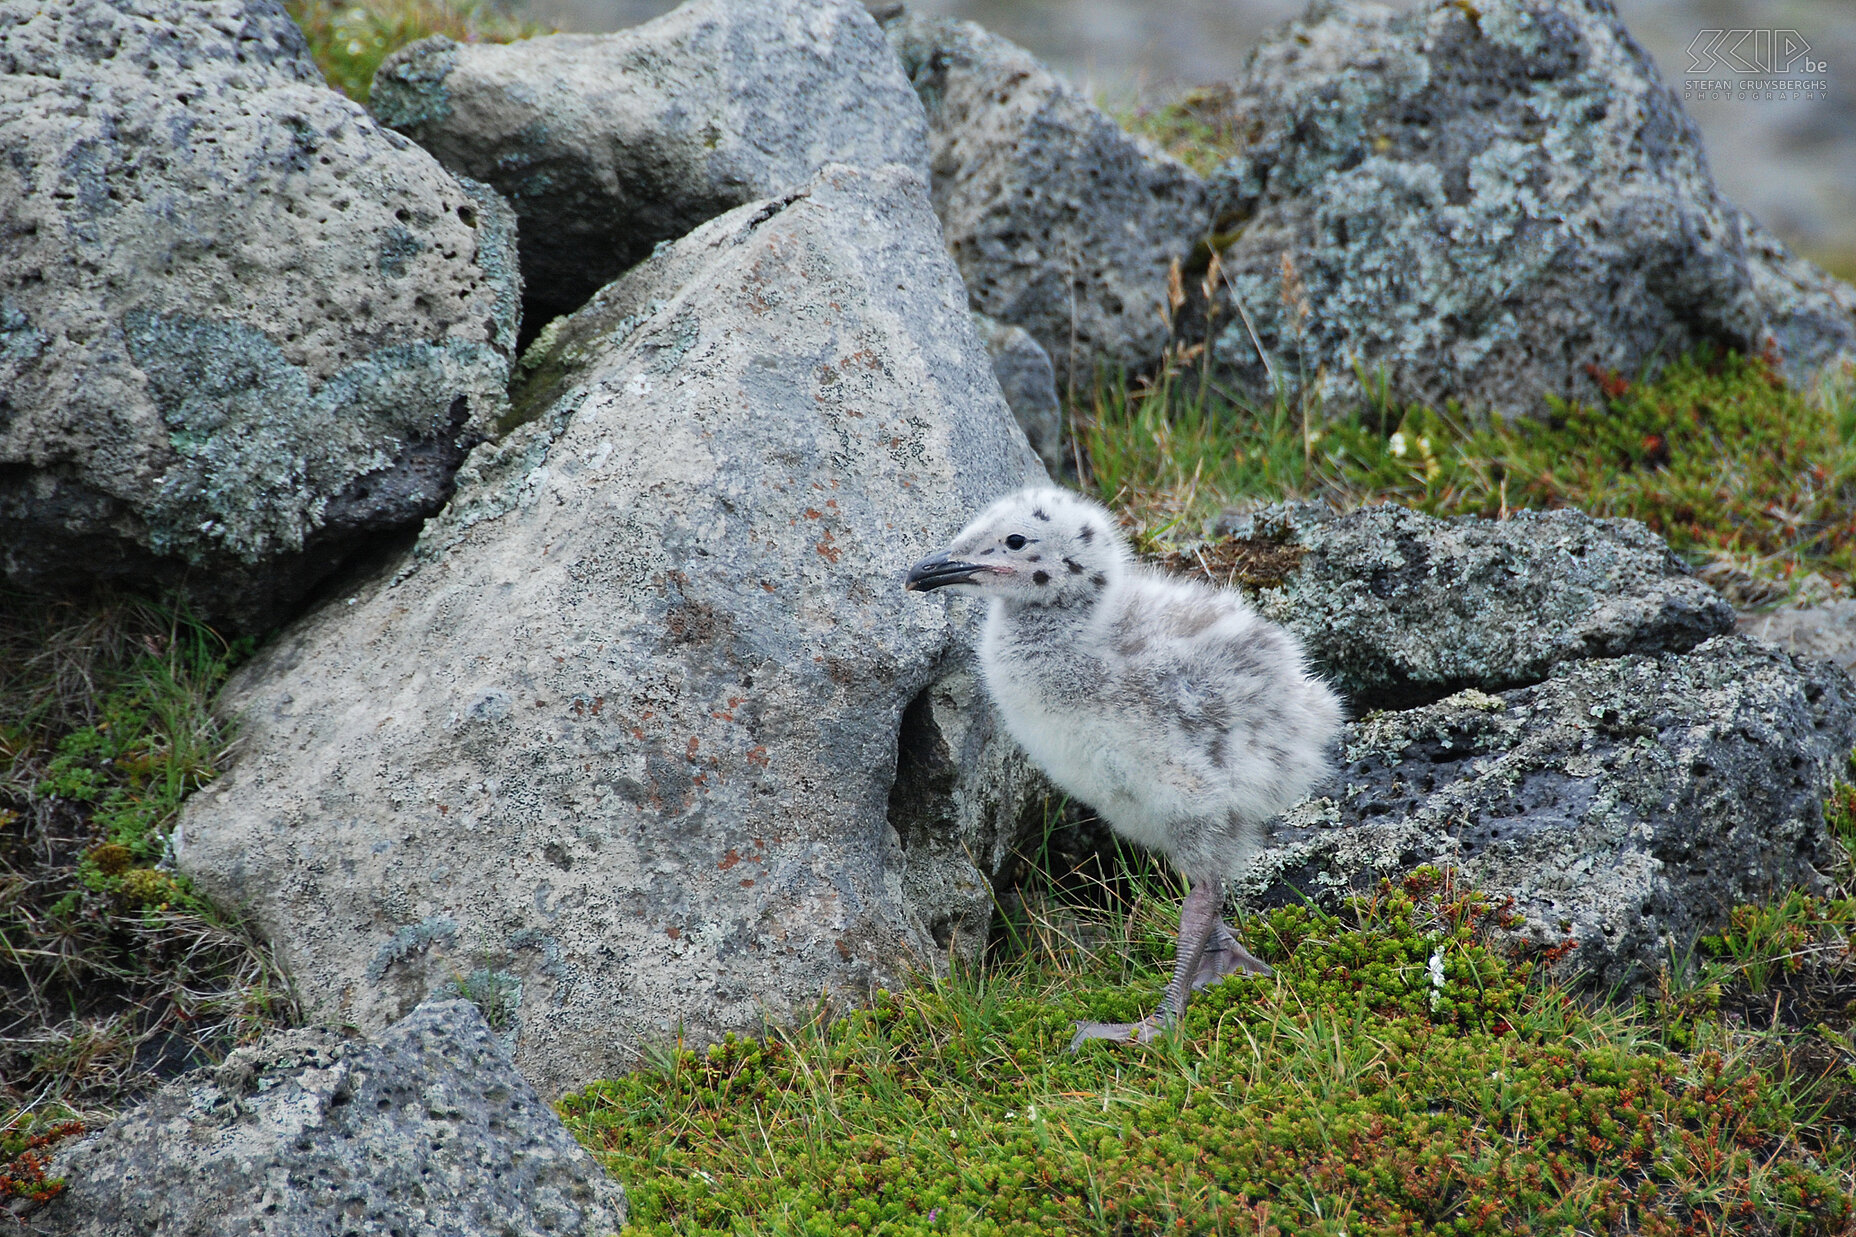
pixel 640 739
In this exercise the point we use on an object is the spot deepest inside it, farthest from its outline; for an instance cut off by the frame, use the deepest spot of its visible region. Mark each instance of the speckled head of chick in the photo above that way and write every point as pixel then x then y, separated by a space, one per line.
pixel 1184 718
pixel 1042 546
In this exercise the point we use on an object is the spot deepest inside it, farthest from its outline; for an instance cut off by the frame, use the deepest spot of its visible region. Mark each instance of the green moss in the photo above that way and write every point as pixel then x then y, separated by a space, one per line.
pixel 1352 1092
pixel 153 743
pixel 543 374
pixel 26 1143
pixel 349 38
pixel 1199 128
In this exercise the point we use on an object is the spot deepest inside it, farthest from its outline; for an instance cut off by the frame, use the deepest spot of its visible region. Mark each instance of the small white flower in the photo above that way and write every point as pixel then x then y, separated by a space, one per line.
pixel 1437 969
pixel 1031 1112
pixel 1398 445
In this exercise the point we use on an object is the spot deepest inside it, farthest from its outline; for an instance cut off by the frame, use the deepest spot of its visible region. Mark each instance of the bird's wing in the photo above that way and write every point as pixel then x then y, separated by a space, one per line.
pixel 1206 663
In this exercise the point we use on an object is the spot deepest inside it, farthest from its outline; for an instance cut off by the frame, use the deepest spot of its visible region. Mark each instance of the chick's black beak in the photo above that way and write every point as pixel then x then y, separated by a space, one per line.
pixel 937 570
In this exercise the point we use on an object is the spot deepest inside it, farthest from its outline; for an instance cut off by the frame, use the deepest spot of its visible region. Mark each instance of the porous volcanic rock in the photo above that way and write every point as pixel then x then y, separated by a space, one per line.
pixel 1487 203
pixel 428 1130
pixel 1626 805
pixel 607 144
pixel 1062 222
pixel 621 733
pixel 242 327
pixel 1396 607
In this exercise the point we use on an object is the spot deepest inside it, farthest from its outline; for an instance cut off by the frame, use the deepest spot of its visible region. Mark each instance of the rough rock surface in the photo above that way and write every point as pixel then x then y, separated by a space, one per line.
pixel 608 144
pixel 965 794
pixel 1062 223
pixel 241 325
pixel 1397 607
pixel 1029 385
pixel 1626 804
pixel 1810 315
pixel 621 733
pixel 1486 203
pixel 427 1131
pixel 1828 630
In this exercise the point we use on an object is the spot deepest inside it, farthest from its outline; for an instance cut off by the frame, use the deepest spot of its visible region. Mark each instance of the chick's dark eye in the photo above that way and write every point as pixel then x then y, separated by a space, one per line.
pixel 1015 542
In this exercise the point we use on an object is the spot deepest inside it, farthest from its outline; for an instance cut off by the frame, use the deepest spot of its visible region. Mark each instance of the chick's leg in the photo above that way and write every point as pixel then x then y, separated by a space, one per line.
pixel 1198 923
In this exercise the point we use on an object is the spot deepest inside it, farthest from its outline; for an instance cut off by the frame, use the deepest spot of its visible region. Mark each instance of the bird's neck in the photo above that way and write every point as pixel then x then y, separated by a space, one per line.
pixel 1047 624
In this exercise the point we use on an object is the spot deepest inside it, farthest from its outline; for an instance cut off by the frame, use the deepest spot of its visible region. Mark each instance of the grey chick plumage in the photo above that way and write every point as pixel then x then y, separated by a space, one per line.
pixel 1185 719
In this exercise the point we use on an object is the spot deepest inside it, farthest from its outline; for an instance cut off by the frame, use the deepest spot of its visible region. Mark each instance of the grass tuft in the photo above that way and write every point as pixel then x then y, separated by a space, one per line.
pixel 1738 472
pixel 349 38
pixel 1199 127
pixel 116 973
pixel 1717 455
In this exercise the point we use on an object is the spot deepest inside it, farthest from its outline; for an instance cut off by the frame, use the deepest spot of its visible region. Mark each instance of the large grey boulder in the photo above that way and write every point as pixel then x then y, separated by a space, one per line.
pixel 608 144
pixel 427 1131
pixel 1397 608
pixel 1487 203
pixel 1062 223
pixel 1626 805
pixel 242 327
pixel 621 733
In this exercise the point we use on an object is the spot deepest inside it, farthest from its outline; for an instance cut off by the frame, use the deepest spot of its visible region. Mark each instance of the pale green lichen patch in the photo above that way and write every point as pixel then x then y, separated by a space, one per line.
pixel 258 451
pixel 435 931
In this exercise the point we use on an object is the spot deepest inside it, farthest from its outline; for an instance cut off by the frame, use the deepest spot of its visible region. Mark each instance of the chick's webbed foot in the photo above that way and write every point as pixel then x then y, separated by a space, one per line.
pixel 1224 955
pixel 1146 1031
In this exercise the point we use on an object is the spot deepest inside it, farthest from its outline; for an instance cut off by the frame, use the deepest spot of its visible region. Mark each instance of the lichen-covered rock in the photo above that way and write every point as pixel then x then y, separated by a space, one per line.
pixel 427 1132
pixel 1061 222
pixel 241 325
pixel 1029 385
pixel 608 144
pixel 1396 607
pixel 1487 203
pixel 1626 805
pixel 621 734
